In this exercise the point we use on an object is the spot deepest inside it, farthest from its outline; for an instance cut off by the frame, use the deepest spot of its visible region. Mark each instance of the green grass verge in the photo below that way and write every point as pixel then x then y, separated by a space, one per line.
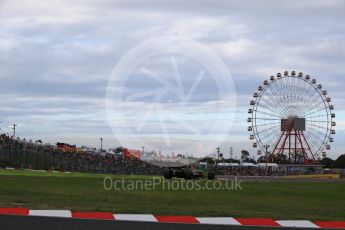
pixel 85 192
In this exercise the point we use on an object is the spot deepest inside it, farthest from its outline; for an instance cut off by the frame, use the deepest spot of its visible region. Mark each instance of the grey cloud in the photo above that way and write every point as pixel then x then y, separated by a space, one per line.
pixel 62 50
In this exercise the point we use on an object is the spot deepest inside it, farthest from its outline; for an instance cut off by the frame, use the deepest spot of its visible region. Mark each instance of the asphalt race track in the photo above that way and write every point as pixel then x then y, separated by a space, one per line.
pixel 53 223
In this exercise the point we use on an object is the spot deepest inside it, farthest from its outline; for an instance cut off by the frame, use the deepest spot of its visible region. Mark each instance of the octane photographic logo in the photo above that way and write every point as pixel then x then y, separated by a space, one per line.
pixel 172 97
pixel 158 183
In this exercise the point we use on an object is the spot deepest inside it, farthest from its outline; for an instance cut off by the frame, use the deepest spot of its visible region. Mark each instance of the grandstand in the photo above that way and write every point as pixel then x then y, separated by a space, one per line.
pixel 25 154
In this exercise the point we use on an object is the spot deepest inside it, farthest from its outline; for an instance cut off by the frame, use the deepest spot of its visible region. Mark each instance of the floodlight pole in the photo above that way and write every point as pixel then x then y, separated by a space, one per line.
pixel 101 143
pixel 14 130
pixel 217 159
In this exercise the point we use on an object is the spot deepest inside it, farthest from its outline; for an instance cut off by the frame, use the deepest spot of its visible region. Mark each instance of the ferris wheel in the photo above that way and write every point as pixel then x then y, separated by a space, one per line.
pixel 291 117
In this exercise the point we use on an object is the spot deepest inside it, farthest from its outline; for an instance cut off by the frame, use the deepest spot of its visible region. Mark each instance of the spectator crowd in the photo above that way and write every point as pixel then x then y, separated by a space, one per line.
pixel 25 154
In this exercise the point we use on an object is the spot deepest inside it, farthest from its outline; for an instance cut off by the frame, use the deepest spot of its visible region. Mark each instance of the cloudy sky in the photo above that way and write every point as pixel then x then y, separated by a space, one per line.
pixel 57 58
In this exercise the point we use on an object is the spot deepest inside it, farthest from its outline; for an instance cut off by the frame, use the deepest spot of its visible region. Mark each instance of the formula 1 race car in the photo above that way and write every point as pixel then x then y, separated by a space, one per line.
pixel 187 173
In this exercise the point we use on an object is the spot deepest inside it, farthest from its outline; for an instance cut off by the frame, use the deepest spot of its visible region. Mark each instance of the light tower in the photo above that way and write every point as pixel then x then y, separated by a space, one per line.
pixel 14 130
pixel 101 138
